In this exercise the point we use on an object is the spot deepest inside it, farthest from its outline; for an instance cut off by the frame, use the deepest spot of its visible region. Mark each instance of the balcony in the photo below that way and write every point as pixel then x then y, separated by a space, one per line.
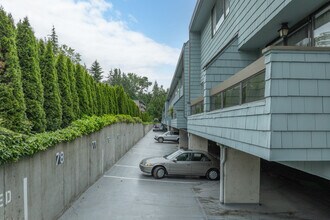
pixel 277 108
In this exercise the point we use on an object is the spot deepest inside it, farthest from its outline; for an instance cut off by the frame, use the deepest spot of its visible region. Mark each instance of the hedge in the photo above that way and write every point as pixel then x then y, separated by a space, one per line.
pixel 14 146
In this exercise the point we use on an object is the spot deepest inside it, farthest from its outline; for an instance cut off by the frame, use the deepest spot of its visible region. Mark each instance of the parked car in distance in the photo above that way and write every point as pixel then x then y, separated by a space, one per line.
pixel 167 136
pixel 160 127
pixel 182 162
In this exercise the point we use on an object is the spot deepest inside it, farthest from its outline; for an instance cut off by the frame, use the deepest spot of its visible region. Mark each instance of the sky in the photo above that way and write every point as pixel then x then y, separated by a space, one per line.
pixel 140 36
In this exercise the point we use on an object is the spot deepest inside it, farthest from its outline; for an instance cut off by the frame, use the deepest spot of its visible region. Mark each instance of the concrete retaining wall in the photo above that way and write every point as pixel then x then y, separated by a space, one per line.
pixel 43 186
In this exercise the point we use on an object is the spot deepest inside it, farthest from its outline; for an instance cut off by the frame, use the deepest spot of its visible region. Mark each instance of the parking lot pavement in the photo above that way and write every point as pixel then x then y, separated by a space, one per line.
pixel 124 192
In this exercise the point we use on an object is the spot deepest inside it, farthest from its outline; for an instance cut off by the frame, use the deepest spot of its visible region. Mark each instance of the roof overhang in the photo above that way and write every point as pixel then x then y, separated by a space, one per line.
pixel 201 14
pixel 177 74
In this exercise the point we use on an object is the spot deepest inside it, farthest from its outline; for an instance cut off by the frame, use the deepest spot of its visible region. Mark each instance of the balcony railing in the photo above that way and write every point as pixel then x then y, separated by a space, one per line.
pixel 246 86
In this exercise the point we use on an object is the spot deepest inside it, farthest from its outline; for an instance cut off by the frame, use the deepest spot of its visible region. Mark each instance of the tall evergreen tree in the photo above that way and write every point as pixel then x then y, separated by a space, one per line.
pixel 73 89
pixel 54 40
pixel 89 93
pixel 52 99
pixel 32 87
pixel 82 90
pixel 12 108
pixel 96 71
pixel 64 85
pixel 94 96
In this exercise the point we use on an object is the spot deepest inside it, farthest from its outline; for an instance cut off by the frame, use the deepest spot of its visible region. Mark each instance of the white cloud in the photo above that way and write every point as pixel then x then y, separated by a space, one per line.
pixel 82 25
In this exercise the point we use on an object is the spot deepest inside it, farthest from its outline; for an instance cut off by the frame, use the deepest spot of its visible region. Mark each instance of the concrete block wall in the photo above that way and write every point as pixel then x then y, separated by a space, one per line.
pixel 39 188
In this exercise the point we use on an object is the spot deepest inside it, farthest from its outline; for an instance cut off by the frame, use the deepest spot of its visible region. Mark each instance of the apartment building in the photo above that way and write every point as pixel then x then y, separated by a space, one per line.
pixel 256 81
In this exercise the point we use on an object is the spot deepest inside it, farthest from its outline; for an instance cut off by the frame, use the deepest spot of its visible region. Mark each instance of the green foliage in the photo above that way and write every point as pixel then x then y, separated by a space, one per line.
pixel 135 86
pixel 82 90
pixel 96 71
pixel 52 99
pixel 73 89
pixel 89 93
pixel 54 40
pixel 33 89
pixel 12 108
pixel 14 146
pixel 64 85
pixel 157 101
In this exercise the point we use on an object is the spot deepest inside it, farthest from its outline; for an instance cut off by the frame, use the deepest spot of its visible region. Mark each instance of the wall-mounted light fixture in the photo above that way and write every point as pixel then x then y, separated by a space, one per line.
pixel 284 31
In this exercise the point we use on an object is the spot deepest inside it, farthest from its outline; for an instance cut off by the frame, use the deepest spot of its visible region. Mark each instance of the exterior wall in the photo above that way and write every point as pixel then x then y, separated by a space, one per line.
pixel 52 188
pixel 298 85
pixel 226 65
pixel 245 17
pixel 197 142
pixel 185 78
pixel 178 100
pixel 245 127
pixel 195 88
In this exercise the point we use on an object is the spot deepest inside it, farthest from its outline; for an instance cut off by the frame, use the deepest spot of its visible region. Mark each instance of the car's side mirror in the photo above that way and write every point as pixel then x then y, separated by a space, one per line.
pixel 174 160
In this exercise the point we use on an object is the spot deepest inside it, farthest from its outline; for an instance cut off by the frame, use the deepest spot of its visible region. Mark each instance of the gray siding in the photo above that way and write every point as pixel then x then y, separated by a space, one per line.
pixel 180 121
pixel 298 83
pixel 245 18
pixel 245 127
pixel 186 79
pixel 195 88
pixel 228 63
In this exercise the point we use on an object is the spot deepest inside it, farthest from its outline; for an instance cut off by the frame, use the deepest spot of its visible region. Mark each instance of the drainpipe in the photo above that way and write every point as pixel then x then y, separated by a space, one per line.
pixel 222 180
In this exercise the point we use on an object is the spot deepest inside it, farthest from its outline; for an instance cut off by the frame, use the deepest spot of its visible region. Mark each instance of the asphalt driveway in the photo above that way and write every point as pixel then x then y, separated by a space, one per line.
pixel 124 192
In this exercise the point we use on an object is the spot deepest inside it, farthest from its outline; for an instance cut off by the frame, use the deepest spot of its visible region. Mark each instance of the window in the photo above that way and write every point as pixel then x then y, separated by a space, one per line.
pixel 322 28
pixel 219 13
pixel 197 108
pixel 300 37
pixel 184 157
pixel 231 96
pixel 313 30
pixel 216 101
pixel 249 90
pixel 253 89
pixel 200 157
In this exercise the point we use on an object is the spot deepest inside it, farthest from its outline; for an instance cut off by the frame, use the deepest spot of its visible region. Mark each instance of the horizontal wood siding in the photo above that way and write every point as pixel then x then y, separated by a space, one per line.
pixel 230 62
pixel 195 66
pixel 186 78
pixel 245 18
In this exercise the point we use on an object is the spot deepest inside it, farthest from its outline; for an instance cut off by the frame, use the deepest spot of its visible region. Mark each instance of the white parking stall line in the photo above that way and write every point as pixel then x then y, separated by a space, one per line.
pixel 118 165
pixel 149 180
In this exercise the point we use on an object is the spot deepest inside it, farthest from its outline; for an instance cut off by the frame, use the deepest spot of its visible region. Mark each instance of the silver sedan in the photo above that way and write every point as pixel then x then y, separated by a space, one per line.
pixel 182 162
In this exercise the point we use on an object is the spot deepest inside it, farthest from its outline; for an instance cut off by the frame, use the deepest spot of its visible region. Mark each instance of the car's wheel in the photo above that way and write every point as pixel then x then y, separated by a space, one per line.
pixel 159 172
pixel 160 140
pixel 213 174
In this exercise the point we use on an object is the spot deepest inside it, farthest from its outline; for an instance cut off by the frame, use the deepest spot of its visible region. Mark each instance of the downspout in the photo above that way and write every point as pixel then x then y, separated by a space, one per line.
pixel 222 175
